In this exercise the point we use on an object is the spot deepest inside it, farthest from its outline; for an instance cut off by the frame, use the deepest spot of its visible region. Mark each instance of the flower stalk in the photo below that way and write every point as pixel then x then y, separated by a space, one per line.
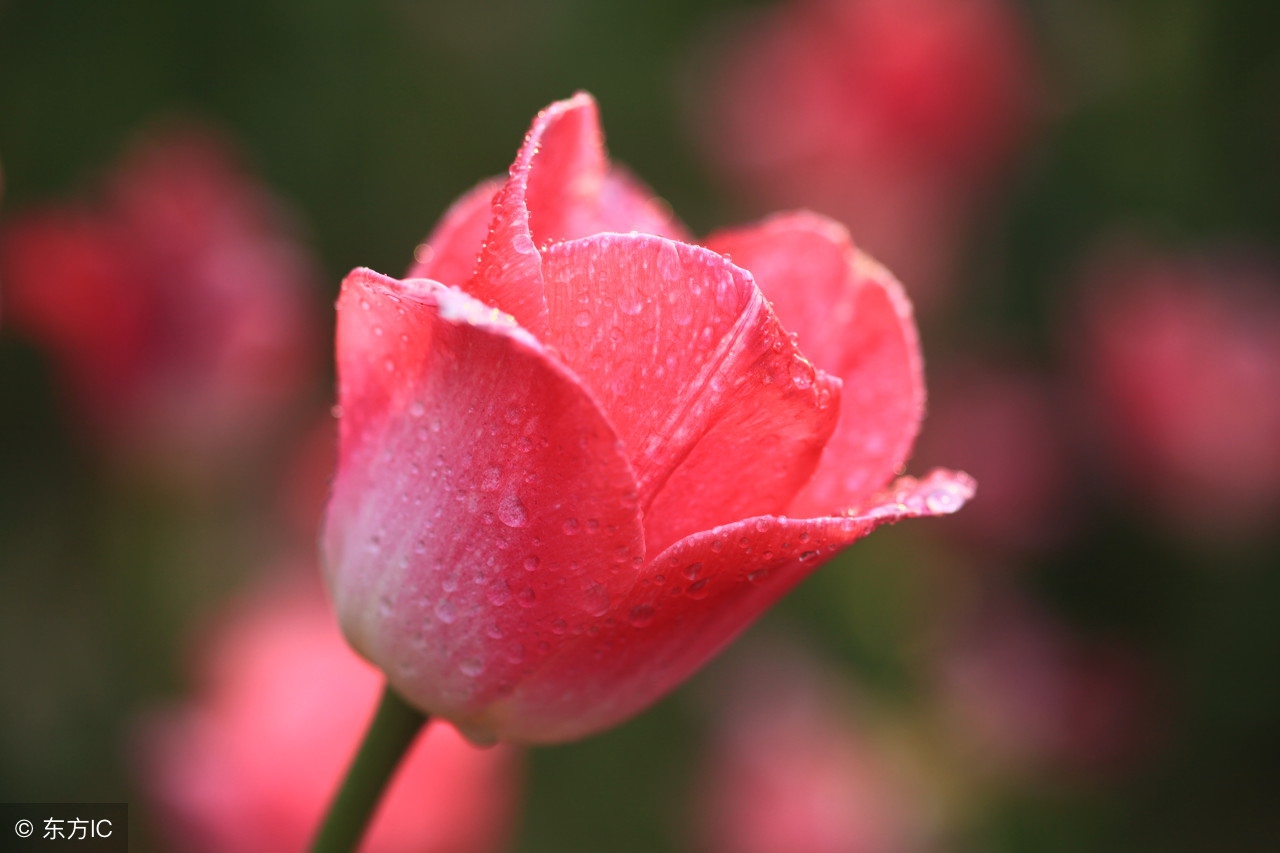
pixel 395 726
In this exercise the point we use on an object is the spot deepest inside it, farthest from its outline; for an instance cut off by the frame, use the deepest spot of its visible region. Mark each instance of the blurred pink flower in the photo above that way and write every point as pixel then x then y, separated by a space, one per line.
pixel 249 764
pixel 175 307
pixel 1002 422
pixel 790 772
pixel 1026 694
pixel 1179 368
pixel 893 116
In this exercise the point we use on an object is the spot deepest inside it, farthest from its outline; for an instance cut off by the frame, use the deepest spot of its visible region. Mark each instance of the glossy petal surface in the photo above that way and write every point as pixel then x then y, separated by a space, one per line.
pixel 692 368
pixel 560 187
pixel 691 601
pixel 482 499
pixel 853 319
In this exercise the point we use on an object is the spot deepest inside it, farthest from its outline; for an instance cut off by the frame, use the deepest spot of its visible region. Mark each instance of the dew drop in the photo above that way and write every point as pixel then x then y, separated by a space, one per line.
pixel 527 597
pixel 940 500
pixel 629 301
pixel 802 374
pixel 471 667
pixel 511 512
pixel 640 615
pixel 697 589
pixel 595 598
pixel 445 611
pixel 692 570
pixel 499 594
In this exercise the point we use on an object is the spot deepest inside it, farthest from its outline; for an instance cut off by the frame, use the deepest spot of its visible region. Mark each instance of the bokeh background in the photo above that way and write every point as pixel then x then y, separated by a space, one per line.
pixel 1082 197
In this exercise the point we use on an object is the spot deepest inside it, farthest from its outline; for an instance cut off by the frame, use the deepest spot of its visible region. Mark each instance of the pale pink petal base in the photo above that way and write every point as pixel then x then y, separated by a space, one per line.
pixel 482 509
pixel 690 602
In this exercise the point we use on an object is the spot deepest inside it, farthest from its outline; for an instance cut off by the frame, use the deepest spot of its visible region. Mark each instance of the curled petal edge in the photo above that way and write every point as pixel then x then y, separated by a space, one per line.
pixel 690 602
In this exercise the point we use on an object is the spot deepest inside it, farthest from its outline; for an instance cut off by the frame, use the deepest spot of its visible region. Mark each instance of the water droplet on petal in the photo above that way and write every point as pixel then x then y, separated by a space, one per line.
pixel 511 512
pixel 640 615
pixel 445 611
pixel 595 598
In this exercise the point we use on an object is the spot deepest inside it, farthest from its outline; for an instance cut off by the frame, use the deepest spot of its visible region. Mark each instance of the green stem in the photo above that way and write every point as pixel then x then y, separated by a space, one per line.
pixel 394 727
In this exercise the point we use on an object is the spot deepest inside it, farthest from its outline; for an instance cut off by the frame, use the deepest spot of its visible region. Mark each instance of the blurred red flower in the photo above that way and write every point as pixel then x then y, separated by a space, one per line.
pixel 176 307
pixel 1027 693
pixel 1003 423
pixel 894 116
pixel 790 770
pixel 561 489
pixel 1178 361
pixel 250 762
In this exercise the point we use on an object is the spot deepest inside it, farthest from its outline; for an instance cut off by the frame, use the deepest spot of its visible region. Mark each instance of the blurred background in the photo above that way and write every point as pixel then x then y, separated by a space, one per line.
pixel 1083 200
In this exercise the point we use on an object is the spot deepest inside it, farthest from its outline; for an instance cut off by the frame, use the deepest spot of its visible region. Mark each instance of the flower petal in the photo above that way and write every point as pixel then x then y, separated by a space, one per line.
pixel 692 369
pixel 854 321
pixel 450 253
pixel 482 505
pixel 692 600
pixel 560 188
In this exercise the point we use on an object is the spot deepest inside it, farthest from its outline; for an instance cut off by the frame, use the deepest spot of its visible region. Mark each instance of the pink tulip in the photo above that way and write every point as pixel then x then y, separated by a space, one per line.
pixel 895 116
pixel 175 307
pixel 250 763
pixel 1002 422
pixel 792 771
pixel 578 454
pixel 1179 362
pixel 1025 692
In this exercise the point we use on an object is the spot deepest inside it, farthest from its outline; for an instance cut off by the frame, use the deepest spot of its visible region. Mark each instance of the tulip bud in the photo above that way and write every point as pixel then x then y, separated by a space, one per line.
pixel 568 479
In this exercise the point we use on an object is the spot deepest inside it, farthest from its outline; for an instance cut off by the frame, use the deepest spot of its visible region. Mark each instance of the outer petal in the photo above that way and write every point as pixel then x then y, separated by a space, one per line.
pixel 693 600
pixel 482 504
pixel 449 254
pixel 721 415
pixel 853 320
pixel 560 188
